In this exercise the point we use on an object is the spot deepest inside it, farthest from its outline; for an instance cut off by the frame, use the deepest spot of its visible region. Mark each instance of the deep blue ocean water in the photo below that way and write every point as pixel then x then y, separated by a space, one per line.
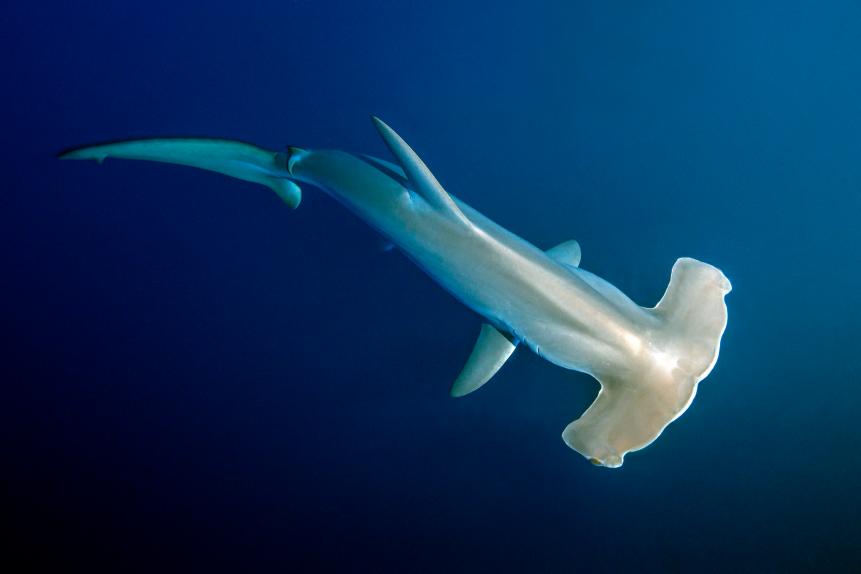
pixel 196 378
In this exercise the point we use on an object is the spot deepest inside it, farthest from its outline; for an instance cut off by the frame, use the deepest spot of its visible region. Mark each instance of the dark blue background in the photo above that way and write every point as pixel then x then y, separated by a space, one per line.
pixel 197 378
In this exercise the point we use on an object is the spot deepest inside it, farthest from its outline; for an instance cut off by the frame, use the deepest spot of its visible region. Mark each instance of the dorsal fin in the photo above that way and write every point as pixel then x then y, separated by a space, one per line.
pixel 567 253
pixel 489 354
pixel 421 178
pixel 294 154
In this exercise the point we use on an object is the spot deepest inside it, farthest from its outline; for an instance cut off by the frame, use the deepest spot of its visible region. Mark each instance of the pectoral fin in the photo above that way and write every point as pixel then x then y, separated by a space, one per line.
pixel 489 354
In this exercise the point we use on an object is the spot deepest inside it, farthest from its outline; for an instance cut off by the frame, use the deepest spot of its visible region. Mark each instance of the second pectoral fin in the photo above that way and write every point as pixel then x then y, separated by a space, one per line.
pixel 489 354
pixel 567 253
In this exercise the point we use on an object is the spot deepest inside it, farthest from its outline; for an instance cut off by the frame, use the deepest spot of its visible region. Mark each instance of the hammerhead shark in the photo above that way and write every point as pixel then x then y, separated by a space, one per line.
pixel 648 361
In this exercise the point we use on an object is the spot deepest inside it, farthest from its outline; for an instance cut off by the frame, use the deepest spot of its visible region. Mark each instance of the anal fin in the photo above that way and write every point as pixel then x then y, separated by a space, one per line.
pixel 287 190
pixel 489 354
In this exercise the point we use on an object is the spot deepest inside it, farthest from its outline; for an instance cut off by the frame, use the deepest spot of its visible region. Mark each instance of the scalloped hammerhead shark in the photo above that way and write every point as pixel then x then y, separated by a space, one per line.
pixel 648 360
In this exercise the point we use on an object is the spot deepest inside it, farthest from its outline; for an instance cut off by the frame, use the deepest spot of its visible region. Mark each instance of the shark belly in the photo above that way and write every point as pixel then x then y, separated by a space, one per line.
pixel 514 285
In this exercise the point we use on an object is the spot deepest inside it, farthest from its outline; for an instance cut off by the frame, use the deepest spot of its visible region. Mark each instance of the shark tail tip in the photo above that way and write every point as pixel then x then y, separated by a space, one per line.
pixel 87 152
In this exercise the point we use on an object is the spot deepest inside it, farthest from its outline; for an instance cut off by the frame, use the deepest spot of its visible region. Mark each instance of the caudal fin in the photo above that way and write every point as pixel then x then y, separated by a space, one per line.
pixel 234 158
pixel 634 406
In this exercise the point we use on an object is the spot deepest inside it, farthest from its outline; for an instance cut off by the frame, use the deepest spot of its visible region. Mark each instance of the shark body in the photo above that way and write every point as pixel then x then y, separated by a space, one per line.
pixel 648 360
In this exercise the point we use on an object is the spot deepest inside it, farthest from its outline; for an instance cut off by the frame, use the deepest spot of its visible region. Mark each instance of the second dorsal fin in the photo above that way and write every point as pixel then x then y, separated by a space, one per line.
pixel 421 178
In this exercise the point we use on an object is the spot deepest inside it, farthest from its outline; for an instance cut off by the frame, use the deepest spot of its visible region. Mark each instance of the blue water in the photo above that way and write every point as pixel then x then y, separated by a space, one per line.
pixel 196 378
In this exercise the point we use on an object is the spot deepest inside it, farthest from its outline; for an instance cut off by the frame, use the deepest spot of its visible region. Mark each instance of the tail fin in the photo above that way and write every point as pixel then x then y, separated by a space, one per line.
pixel 636 405
pixel 228 157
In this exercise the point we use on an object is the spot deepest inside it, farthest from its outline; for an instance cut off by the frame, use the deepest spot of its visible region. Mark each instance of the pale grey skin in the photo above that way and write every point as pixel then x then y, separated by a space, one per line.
pixel 648 361
pixel 515 286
